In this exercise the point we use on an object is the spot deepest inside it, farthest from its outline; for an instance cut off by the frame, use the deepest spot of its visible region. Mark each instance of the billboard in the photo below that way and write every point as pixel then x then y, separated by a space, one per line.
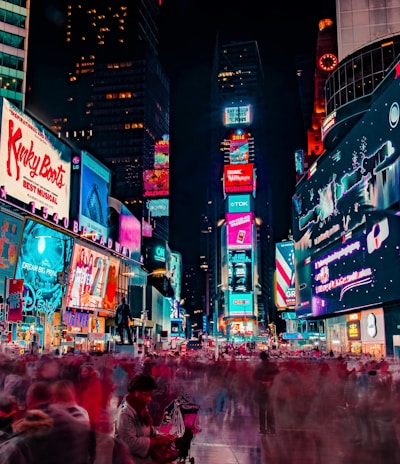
pixel 161 154
pixel 92 280
pixel 285 296
pixel 10 234
pixel 159 207
pixel 361 271
pixel 35 166
pixel 239 150
pixel 176 273
pixel 239 178
pixel 239 228
pixel 240 271
pixel 239 203
pixel 353 187
pixel 44 254
pixel 156 182
pixel 241 305
pixel 94 189
pixel 237 115
pixel 124 228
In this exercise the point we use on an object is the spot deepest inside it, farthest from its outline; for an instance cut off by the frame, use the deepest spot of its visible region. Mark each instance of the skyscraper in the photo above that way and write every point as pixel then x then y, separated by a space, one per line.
pixel 240 262
pixel 117 104
pixel 14 29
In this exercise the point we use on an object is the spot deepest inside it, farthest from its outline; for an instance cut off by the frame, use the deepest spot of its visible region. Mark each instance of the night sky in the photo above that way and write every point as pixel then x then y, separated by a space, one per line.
pixel 188 32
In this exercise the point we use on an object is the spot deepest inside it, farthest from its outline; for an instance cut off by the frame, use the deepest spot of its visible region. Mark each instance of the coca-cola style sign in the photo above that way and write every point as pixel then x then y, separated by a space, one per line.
pixel 35 166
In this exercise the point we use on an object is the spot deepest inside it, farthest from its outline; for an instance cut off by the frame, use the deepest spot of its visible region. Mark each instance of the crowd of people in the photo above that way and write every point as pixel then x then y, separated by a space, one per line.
pixel 82 409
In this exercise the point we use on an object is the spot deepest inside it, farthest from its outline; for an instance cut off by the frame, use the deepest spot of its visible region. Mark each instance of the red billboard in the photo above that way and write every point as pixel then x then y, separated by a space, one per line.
pixel 156 183
pixel 239 178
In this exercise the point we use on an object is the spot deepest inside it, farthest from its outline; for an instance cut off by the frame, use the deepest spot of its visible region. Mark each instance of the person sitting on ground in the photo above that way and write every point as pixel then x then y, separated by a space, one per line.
pixel 134 424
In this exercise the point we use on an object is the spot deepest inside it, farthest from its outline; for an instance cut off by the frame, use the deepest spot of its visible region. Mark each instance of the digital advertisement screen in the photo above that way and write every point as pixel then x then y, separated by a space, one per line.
pixel 10 234
pixel 124 228
pixel 285 275
pixel 239 150
pixel 239 227
pixel 95 187
pixel 239 203
pixel 176 273
pixel 156 183
pixel 355 185
pixel 159 207
pixel 44 253
pixel 90 275
pixel 241 305
pixel 161 155
pixel 362 271
pixel 237 115
pixel 240 271
pixel 239 178
pixel 35 166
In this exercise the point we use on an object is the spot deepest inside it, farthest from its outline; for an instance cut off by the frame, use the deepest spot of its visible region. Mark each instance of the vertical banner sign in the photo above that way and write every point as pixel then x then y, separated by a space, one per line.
pixel 15 289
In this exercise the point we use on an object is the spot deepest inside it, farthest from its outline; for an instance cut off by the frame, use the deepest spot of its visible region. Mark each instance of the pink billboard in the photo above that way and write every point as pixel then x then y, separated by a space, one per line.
pixel 239 229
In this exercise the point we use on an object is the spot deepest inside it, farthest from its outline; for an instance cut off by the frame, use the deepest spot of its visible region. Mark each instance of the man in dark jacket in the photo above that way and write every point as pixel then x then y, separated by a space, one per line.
pixel 264 375
pixel 123 316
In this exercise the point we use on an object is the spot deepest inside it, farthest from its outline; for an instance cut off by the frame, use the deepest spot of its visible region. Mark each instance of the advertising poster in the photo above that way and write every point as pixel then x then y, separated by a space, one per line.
pixel 15 302
pixel 95 185
pixel 237 115
pixel 239 228
pixel 161 154
pixel 285 275
pixel 238 178
pixel 90 273
pixel 10 234
pixel 240 271
pixel 239 150
pixel 44 253
pixel 35 166
pixel 156 183
pixel 241 305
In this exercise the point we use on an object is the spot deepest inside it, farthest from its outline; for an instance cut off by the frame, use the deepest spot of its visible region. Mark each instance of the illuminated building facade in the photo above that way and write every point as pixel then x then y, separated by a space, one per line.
pixel 346 210
pixel 14 22
pixel 237 238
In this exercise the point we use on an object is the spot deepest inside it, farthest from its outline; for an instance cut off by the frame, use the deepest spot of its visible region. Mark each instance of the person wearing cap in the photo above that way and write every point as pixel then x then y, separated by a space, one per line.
pixel 134 425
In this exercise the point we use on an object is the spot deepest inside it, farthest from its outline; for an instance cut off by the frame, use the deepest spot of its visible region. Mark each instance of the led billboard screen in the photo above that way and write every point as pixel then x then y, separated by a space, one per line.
pixel 237 115
pixel 285 276
pixel 10 234
pixel 239 228
pixel 239 178
pixel 361 271
pixel 354 186
pixel 35 166
pixel 156 183
pixel 241 305
pixel 239 203
pixel 91 274
pixel 44 253
pixel 161 155
pixel 240 271
pixel 239 150
pixel 95 187
pixel 159 207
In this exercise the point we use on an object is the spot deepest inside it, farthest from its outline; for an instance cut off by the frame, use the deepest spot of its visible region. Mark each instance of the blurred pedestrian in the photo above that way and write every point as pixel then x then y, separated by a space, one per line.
pixel 46 434
pixel 90 393
pixel 8 409
pixel 264 375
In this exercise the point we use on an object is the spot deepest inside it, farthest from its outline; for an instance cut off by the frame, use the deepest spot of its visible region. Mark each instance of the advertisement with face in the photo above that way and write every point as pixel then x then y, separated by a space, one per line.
pixel 44 254
pixel 35 166
pixel 88 278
